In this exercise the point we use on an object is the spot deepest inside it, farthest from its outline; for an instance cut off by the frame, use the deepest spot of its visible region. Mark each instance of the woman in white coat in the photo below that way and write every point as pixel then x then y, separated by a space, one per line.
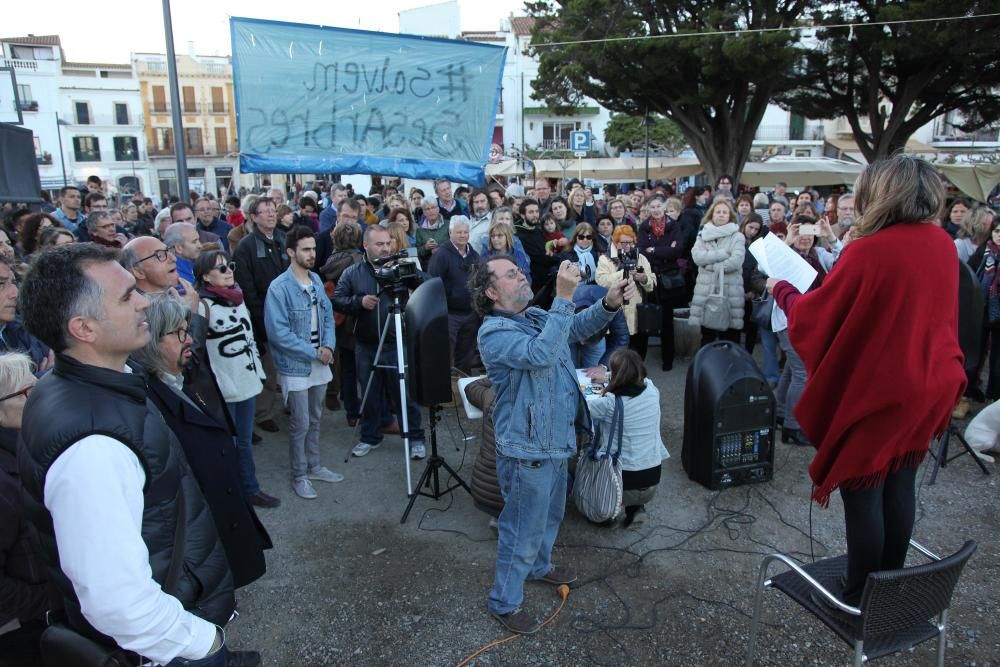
pixel 718 251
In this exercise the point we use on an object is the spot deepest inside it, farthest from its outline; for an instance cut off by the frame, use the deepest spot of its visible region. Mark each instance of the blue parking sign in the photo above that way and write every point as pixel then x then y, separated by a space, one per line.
pixel 579 141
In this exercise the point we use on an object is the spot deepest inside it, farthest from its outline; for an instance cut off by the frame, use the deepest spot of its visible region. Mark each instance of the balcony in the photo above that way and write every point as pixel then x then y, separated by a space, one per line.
pixel 217 107
pixel 28 105
pixel 44 158
pixel 788 133
pixel 126 156
pixel 30 66
pixel 165 108
pixel 102 119
pixel 946 132
pixel 555 145
pixel 169 152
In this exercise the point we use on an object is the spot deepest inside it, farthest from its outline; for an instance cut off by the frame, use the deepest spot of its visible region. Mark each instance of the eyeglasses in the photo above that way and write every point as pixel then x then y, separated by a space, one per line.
pixel 584 236
pixel 160 255
pixel 181 333
pixel 24 392
pixel 225 268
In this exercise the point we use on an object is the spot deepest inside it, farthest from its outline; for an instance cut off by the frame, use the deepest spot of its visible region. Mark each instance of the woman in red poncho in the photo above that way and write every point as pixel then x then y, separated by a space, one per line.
pixel 879 340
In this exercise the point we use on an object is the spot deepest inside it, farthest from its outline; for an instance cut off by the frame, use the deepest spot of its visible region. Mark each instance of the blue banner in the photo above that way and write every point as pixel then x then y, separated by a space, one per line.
pixel 323 100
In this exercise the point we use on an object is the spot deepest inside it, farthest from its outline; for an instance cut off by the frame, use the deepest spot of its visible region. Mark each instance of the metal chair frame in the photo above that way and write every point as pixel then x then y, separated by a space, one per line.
pixel 763 581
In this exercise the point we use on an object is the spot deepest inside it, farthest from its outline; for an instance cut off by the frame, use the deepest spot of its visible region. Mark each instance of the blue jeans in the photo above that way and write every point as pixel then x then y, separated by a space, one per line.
pixel 219 659
pixel 534 494
pixel 791 384
pixel 383 395
pixel 588 355
pixel 349 383
pixel 769 341
pixel 242 414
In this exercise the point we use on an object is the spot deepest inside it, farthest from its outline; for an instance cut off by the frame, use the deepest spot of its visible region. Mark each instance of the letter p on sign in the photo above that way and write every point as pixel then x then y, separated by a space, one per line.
pixel 579 141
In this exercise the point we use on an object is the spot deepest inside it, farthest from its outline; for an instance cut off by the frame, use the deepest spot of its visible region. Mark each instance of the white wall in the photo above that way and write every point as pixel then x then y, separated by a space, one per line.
pixel 440 20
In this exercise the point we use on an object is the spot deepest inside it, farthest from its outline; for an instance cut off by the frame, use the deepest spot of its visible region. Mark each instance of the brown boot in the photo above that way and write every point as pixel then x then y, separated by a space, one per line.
pixel 961 409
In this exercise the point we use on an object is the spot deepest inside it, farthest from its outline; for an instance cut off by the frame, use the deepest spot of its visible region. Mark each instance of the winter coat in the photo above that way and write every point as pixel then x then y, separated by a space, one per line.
pixel 719 248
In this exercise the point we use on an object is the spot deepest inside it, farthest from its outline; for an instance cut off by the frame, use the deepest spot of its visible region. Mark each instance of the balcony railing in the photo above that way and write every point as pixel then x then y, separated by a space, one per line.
pixel 948 132
pixel 37 66
pixel 165 108
pixel 28 105
pixel 44 158
pixel 104 119
pixel 125 156
pixel 788 133
pixel 217 107
pixel 166 152
pixel 555 145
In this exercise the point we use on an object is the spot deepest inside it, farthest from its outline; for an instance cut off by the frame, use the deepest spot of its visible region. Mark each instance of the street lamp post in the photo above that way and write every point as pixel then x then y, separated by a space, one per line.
pixel 62 153
pixel 645 123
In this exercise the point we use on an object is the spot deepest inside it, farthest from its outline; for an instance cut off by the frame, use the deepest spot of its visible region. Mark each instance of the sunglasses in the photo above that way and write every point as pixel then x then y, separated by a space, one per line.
pixel 585 236
pixel 225 268
pixel 24 392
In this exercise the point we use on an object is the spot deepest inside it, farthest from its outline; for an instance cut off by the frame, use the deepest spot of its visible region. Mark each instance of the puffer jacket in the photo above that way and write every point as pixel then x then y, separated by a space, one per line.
pixel 719 248
pixel 486 494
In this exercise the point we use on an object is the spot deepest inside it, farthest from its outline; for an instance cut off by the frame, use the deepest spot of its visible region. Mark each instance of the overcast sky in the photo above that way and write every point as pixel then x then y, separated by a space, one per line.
pixel 109 30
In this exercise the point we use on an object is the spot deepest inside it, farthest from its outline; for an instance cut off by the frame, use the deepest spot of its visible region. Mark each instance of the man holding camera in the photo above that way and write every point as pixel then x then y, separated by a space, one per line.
pixel 538 413
pixel 360 294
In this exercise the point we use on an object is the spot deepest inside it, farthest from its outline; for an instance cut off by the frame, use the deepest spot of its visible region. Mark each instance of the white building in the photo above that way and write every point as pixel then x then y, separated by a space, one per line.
pixel 86 117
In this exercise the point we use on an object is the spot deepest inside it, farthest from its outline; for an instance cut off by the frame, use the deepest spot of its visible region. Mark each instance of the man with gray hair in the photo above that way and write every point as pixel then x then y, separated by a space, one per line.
pixel 446 201
pixel 182 238
pixel 451 263
pixel 328 218
pixel 845 215
pixel 101 230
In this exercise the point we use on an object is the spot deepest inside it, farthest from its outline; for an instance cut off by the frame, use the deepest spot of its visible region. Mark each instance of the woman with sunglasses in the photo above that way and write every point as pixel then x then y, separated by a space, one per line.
pixel 235 359
pixel 582 252
pixel 23 583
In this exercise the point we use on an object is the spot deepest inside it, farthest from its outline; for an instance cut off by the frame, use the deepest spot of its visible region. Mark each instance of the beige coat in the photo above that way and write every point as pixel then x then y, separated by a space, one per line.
pixel 608 274
pixel 719 249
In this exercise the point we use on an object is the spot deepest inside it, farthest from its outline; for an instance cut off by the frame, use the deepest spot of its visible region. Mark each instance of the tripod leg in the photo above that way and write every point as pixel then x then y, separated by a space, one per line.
pixel 940 459
pixel 425 478
pixel 454 474
pixel 972 453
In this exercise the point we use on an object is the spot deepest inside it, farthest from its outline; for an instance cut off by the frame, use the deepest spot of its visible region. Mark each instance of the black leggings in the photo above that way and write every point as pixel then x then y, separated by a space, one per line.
pixel 879 524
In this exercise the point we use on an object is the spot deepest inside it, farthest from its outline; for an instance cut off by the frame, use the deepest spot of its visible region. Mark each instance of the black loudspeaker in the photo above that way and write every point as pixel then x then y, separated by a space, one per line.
pixel 971 306
pixel 18 167
pixel 427 349
pixel 729 419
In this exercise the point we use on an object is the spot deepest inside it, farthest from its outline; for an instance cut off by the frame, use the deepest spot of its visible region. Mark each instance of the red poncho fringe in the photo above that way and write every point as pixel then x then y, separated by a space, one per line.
pixel 879 340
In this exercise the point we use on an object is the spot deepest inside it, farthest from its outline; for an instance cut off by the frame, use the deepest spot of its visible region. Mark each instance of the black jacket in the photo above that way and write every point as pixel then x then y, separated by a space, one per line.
pixel 355 282
pixel 208 445
pixel 116 405
pixel 533 242
pixel 259 260
pixel 453 269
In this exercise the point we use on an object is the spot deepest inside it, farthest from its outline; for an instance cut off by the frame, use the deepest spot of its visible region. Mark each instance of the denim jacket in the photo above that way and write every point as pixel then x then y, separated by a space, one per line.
pixel 288 319
pixel 539 407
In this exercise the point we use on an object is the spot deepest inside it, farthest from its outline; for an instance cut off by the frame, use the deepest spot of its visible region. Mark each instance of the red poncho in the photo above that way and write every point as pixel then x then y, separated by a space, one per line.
pixel 879 340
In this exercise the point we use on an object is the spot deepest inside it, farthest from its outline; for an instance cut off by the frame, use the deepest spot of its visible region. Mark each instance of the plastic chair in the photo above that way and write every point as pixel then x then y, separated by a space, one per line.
pixel 897 606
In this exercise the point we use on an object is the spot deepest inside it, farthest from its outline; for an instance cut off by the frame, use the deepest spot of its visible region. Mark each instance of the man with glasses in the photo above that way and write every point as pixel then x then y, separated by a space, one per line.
pixel 845 215
pixel 538 414
pixel 182 212
pixel 208 213
pixel 260 258
pixel 13 336
pixel 299 321
pixel 154 267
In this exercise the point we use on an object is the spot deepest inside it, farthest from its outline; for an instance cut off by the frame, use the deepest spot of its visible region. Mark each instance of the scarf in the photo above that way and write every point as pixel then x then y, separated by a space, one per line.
pixel 658 227
pixel 989 281
pixel 587 257
pixel 234 295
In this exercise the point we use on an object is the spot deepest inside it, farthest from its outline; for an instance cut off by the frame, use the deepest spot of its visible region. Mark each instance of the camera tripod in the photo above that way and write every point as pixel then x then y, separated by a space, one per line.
pixel 434 462
pixel 941 458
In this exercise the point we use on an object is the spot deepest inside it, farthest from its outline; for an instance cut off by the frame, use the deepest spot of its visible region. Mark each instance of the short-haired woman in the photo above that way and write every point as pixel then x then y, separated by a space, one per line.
pixel 643 451
pixel 500 241
pixel 870 429
pixel 718 251
pixel 609 272
pixel 235 360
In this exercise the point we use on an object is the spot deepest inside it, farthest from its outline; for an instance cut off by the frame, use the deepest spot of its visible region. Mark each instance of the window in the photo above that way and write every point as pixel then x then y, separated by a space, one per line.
pixel 216 69
pixel 82 113
pixel 156 67
pixel 121 113
pixel 221 141
pixel 223 178
pixel 126 149
pixel 160 99
pixel 555 136
pixel 38 147
pixel 218 100
pixel 25 99
pixel 86 149
pixel 164 140
pixel 192 140
pixel 32 52
pixel 187 95
pixel 167 179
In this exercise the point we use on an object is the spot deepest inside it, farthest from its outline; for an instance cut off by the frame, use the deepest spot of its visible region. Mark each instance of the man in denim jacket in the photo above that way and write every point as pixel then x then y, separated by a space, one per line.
pixel 300 332
pixel 539 411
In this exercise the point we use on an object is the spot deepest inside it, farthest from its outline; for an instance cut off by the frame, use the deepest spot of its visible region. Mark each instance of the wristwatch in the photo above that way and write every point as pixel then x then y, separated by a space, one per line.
pixel 605 306
pixel 220 641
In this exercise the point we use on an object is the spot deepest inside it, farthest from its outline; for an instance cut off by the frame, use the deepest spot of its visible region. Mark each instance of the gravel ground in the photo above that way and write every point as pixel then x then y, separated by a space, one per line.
pixel 347 584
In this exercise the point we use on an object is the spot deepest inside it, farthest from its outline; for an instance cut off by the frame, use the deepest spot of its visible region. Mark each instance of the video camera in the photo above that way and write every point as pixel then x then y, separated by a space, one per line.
pixel 629 262
pixel 396 274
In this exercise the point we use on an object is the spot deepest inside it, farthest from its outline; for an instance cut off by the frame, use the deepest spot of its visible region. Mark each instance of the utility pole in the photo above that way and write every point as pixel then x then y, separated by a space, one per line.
pixel 175 103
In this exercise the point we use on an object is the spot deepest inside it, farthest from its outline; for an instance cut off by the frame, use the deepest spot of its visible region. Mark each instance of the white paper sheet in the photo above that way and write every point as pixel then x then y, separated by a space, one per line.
pixel 777 260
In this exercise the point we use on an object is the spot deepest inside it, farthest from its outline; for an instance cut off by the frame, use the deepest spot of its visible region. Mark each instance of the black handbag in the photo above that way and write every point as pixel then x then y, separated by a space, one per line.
pixel 761 312
pixel 648 318
pixel 62 645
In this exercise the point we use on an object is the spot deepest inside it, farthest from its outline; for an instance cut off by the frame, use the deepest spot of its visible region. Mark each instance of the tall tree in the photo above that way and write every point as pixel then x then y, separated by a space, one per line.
pixel 628 132
pixel 889 80
pixel 715 87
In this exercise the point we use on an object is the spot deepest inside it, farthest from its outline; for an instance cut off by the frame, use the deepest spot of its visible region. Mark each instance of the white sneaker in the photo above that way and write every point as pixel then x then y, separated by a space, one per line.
pixel 417 451
pixel 303 488
pixel 324 474
pixel 362 449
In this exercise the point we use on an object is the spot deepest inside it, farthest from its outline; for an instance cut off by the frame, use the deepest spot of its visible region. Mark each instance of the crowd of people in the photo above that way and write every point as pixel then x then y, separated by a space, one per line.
pixel 214 313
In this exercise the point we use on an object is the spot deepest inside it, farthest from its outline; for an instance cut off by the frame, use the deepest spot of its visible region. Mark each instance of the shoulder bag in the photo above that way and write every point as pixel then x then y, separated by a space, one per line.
pixel 597 489
pixel 716 312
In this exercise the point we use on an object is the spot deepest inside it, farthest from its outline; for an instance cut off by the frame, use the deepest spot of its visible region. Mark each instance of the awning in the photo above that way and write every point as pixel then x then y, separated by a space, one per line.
pixel 505 168
pixel 617 168
pixel 975 180
pixel 848 148
pixel 798 173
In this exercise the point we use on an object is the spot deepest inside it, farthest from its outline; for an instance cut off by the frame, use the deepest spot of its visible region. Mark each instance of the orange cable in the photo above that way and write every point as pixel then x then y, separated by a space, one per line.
pixel 563 593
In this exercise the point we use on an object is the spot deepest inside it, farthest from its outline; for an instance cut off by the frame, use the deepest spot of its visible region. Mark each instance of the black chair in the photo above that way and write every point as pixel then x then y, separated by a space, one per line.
pixel 897 607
